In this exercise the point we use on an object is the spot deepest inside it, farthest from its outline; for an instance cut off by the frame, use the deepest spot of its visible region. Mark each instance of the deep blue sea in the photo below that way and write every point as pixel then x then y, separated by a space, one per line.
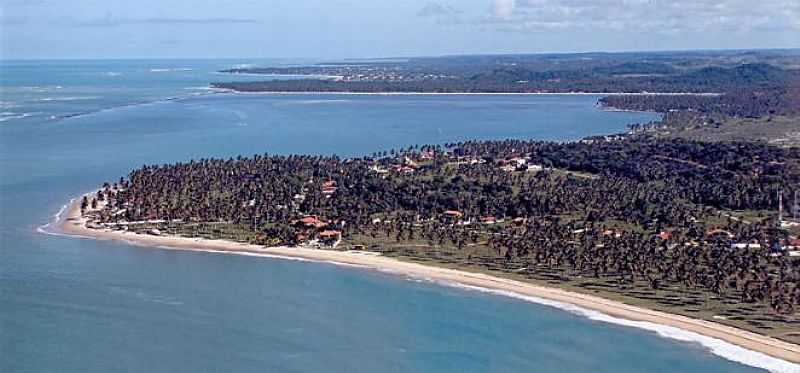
pixel 78 305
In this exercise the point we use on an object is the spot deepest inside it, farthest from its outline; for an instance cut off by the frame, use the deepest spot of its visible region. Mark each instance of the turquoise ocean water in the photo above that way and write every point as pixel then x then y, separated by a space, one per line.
pixel 77 305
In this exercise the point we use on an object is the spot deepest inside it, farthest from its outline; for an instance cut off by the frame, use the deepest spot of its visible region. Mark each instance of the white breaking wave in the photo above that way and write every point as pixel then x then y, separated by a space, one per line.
pixel 40 88
pixel 55 219
pixel 7 105
pixel 166 70
pixel 716 346
pixel 312 102
pixel 145 296
pixel 69 98
pixel 11 116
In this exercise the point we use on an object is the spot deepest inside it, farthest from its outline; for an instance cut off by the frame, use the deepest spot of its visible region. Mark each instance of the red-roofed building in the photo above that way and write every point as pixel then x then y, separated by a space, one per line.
pixel 328 191
pixel 311 221
pixel 452 215
pixel 330 237
pixel 488 220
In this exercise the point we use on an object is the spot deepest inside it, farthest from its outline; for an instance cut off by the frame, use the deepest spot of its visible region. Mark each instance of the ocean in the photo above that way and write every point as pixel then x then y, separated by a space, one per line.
pixel 78 305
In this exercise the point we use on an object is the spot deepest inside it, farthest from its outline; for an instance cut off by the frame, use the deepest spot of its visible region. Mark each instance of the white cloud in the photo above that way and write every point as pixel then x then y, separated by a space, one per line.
pixel 433 9
pixel 109 21
pixel 503 9
pixel 646 15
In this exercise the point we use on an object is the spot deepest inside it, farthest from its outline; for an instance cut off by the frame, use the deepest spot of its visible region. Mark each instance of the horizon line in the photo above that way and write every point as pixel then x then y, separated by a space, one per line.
pixel 609 52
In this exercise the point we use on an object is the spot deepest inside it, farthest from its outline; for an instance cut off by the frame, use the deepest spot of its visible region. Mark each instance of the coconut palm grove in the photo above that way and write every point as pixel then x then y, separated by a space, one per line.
pixel 690 227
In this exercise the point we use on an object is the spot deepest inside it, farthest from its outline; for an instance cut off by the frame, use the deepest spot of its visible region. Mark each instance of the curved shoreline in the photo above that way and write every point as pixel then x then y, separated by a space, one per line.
pixel 728 342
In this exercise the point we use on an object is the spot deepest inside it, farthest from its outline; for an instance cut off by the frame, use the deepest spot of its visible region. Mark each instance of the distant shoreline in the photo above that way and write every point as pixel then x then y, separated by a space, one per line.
pixel 729 342
pixel 232 90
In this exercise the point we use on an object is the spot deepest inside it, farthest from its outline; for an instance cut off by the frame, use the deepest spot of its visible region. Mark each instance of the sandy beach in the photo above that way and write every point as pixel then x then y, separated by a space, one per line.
pixel 71 223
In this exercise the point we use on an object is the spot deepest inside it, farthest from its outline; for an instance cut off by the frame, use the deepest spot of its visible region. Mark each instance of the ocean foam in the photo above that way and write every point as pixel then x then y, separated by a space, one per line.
pixel 55 219
pixel 8 104
pixel 312 102
pixel 8 116
pixel 167 70
pixel 69 98
pixel 716 346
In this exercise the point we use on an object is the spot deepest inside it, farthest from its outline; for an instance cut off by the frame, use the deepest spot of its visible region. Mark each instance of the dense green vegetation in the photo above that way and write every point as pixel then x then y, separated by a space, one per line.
pixel 592 72
pixel 663 212
pixel 728 86
pixel 649 218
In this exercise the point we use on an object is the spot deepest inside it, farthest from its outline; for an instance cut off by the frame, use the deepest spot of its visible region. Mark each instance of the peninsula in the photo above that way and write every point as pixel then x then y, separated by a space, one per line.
pixel 692 221
pixel 672 231
pixel 746 95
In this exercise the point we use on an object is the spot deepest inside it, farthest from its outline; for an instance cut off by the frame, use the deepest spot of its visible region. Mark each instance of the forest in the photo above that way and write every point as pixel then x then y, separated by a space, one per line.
pixel 636 72
pixel 519 80
pixel 663 213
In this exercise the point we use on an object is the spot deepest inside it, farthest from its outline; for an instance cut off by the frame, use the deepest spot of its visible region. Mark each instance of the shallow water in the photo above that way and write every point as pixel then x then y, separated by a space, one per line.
pixel 75 305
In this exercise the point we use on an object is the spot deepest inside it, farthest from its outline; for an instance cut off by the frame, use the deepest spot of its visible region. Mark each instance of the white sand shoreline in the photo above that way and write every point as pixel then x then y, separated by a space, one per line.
pixel 728 342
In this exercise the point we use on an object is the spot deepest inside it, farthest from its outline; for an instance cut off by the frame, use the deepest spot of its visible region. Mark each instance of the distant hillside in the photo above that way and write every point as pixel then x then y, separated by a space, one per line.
pixel 662 72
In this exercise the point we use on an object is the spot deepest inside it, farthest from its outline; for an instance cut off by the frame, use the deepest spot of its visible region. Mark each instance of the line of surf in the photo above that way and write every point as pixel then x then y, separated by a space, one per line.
pixel 210 91
pixel 716 346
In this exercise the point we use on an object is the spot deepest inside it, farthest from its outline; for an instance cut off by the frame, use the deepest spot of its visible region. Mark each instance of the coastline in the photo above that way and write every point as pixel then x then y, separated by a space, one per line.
pixel 350 93
pixel 726 341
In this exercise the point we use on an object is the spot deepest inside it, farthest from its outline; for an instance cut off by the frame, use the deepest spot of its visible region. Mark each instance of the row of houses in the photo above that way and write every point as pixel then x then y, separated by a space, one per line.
pixel 315 230
pixel 409 165
pixel 790 246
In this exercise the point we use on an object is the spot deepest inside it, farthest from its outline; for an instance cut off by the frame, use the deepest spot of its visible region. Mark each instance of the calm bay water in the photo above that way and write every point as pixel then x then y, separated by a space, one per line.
pixel 75 305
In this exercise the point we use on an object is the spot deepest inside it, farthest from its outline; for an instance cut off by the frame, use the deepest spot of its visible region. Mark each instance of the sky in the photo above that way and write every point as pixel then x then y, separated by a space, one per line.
pixel 385 28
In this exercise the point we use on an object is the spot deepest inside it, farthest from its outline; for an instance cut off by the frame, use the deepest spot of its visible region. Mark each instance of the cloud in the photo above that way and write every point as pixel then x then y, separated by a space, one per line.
pixel 432 9
pixel 503 9
pixel 443 14
pixel 109 21
pixel 673 16
pixel 23 3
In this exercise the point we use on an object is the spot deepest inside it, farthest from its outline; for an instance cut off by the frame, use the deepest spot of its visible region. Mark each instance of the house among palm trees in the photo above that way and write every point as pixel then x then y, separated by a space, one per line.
pixel 311 221
pixel 330 237
pixel 452 216
pixel 717 232
pixel 488 220
pixel 754 245
pixel 329 188
pixel 426 155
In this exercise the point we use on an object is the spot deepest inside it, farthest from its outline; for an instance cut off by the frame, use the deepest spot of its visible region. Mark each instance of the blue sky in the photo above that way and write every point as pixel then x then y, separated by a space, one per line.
pixel 383 28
